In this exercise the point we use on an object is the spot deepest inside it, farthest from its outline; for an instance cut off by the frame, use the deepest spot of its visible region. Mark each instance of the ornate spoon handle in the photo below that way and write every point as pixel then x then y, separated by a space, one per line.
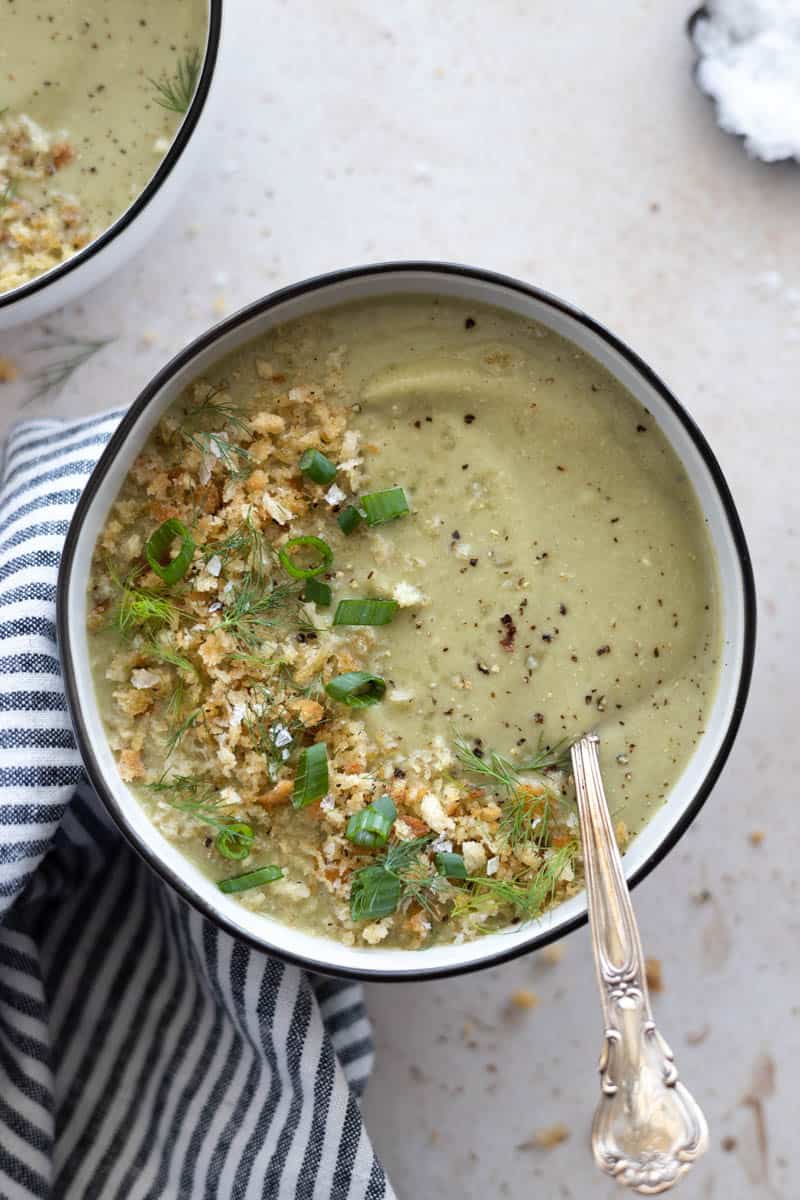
pixel 647 1130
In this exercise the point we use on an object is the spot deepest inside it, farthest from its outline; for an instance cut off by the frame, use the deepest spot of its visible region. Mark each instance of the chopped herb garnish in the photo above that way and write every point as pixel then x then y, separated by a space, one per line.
pixel 317 467
pixel 349 519
pixel 311 780
pixel 319 593
pixel 158 548
pixel 380 507
pixel 365 612
pixel 234 841
pixel 356 689
pixel 250 879
pixel 372 826
pixel 450 865
pixel 374 893
pixel 290 564
pixel 398 878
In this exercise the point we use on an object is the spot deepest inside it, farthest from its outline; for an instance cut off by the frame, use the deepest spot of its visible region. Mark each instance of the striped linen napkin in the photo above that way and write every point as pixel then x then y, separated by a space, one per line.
pixel 143 1052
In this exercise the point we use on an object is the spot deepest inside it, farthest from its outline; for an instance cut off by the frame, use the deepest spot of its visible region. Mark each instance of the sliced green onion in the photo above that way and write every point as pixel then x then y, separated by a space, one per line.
pixel 375 893
pixel 311 781
pixel 380 507
pixel 372 826
pixel 314 543
pixel 235 840
pixel 319 592
pixel 452 866
pixel 316 466
pixel 349 519
pixel 159 545
pixel 250 879
pixel 364 612
pixel 356 689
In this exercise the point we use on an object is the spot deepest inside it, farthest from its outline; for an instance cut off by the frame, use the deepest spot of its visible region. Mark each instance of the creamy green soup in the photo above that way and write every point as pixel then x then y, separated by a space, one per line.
pixel 546 570
pixel 90 98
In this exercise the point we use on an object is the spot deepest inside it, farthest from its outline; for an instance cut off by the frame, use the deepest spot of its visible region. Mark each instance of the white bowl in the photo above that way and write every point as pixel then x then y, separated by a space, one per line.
pixel 737 595
pixel 125 236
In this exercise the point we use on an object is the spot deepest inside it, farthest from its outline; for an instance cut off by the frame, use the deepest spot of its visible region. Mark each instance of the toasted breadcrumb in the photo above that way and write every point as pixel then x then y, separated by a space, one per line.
pixel 547 1138
pixel 524 998
pixel 655 981
pixel 40 226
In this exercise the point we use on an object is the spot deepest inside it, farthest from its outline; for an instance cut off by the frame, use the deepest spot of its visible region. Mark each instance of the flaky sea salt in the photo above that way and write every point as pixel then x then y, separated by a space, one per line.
pixel 750 64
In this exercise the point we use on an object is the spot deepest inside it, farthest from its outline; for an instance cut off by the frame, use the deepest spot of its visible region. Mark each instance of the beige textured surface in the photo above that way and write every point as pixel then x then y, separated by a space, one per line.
pixel 566 144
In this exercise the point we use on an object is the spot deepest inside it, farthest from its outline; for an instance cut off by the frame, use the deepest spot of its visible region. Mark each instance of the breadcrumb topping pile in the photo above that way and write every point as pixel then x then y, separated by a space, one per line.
pixel 40 226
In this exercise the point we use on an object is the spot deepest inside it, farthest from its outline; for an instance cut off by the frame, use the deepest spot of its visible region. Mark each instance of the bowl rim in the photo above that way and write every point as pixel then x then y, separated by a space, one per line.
pixel 106 461
pixel 154 183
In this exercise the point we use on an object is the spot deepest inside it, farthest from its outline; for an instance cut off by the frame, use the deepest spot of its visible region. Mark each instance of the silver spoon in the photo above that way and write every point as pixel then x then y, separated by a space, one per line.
pixel 647 1130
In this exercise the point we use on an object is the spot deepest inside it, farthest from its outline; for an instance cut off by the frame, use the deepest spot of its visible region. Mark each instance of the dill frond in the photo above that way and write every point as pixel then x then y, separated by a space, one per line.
pixel 247 542
pixel 175 92
pixel 179 733
pixel 401 855
pixel 235 459
pixel 527 897
pixel 73 352
pixel 218 408
pixel 255 608
pixel 173 657
pixel 198 798
pixel 140 607
pixel 498 768
pixel 527 817
pixel 549 758
pixel 7 194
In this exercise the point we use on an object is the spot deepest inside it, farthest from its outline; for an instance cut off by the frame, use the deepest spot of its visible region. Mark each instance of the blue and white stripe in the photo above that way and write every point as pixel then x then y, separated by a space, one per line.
pixel 143 1052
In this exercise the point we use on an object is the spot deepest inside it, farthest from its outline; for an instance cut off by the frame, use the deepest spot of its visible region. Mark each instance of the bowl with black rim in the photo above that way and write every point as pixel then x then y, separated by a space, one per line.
pixel 736 588
pixel 127 234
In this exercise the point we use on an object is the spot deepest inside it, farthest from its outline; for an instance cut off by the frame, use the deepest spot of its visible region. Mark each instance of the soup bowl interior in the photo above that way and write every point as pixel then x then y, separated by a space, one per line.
pixel 735 583
pixel 133 227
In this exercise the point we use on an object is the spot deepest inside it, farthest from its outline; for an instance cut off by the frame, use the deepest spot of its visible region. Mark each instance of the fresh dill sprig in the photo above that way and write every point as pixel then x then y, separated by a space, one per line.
pixel 173 657
pixel 400 856
pixel 247 542
pixel 7 194
pixel 73 352
pixel 527 814
pixel 400 872
pixel 179 732
pixel 235 459
pixel 215 443
pixel 255 608
pixel 217 406
pixel 548 758
pixel 495 766
pixel 265 730
pixel 140 607
pixel 175 92
pixel 183 666
pixel 527 897
pixel 190 795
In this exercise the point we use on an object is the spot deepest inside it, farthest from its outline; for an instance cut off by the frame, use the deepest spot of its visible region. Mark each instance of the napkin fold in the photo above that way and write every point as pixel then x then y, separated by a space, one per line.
pixel 144 1053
